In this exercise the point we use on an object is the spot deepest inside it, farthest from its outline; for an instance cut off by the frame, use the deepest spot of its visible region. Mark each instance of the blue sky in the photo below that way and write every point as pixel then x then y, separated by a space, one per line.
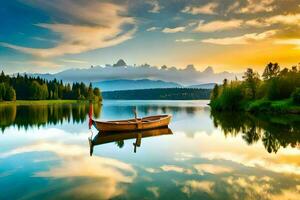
pixel 50 36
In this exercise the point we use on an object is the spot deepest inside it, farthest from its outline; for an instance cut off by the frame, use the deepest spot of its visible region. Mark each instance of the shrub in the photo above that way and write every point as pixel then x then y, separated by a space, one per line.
pixel 260 106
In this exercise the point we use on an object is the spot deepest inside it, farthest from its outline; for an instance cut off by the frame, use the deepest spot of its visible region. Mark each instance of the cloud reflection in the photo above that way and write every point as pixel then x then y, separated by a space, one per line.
pixel 104 174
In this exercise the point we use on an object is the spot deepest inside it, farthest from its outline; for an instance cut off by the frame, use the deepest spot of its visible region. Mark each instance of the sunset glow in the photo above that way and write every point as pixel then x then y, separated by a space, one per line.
pixel 39 36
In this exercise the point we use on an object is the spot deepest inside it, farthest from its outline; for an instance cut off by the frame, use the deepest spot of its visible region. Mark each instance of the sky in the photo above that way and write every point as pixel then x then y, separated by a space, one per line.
pixel 229 35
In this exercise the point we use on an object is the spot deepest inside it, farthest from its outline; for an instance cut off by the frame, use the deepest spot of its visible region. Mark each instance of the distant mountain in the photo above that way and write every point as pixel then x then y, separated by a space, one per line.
pixel 119 71
pixel 124 84
pixel 120 63
pixel 203 86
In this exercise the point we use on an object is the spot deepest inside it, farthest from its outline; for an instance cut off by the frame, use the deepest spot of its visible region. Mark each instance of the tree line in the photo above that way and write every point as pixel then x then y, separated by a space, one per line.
pixel 35 88
pixel 273 85
pixel 159 94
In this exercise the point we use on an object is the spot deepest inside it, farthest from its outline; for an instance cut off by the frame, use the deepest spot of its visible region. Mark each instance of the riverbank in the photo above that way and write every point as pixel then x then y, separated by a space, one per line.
pixel 285 106
pixel 40 102
pixel 281 106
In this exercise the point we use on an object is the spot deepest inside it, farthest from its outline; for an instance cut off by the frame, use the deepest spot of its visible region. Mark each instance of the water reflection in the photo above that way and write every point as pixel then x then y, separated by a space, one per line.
pixel 104 137
pixel 198 161
pixel 274 131
pixel 40 115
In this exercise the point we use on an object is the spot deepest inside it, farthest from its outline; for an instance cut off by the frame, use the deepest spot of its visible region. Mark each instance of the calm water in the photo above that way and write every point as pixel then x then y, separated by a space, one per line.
pixel 45 154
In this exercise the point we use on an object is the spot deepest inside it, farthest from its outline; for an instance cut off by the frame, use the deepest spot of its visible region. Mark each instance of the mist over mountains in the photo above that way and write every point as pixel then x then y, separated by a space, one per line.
pixel 187 76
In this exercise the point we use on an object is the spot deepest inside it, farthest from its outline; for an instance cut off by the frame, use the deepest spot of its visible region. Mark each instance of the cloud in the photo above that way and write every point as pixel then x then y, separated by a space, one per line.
pixel 152 29
pixel 212 169
pixel 95 25
pixel 206 9
pixel 175 168
pixel 256 23
pixel 295 42
pixel 174 30
pixel 184 40
pixel 256 6
pixel 192 186
pixel 233 7
pixel 40 63
pixel 154 191
pixel 241 40
pixel 218 25
pixel 291 19
pixel 105 174
pixel 155 6
pixel 74 61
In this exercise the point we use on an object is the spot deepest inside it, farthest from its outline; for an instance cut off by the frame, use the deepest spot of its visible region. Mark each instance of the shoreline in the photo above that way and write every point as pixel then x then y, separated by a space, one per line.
pixel 42 102
pixel 285 106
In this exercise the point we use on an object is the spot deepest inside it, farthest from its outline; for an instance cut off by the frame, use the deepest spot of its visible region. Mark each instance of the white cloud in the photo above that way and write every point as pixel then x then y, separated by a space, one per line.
pixel 256 6
pixel 105 174
pixel 155 6
pixel 218 25
pixel 240 40
pixel 100 27
pixel 256 23
pixel 212 169
pixel 192 186
pixel 184 40
pixel 173 30
pixel 206 9
pixel 291 19
pixel 152 29
pixel 175 168
pixel 295 42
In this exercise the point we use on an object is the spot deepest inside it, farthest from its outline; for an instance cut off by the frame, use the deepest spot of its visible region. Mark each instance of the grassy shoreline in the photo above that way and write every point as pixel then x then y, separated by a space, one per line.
pixel 285 106
pixel 39 102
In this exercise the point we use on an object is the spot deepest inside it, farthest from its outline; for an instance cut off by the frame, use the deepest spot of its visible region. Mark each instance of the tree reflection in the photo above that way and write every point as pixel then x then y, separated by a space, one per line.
pixel 273 131
pixel 120 143
pixel 40 115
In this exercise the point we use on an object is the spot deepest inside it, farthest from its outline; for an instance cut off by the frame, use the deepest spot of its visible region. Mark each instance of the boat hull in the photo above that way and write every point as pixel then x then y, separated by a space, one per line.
pixel 150 122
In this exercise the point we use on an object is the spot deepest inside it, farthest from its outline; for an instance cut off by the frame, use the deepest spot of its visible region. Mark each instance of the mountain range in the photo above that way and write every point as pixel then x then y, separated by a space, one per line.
pixel 122 76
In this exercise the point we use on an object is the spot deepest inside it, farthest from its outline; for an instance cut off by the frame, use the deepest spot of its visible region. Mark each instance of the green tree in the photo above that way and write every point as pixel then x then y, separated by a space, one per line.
pixel 90 93
pixel 10 94
pixel 252 80
pixel 271 70
pixel 215 92
pixel 2 91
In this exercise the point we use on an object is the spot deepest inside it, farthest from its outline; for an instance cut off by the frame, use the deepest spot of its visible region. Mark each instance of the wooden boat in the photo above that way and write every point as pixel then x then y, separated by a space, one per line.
pixel 136 124
pixel 106 137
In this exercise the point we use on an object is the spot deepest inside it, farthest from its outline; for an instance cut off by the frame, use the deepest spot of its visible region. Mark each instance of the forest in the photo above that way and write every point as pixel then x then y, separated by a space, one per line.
pixel 159 94
pixel 276 90
pixel 29 88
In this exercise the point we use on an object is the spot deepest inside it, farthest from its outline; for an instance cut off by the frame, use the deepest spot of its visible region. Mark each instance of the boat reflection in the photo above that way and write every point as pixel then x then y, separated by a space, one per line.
pixel 118 138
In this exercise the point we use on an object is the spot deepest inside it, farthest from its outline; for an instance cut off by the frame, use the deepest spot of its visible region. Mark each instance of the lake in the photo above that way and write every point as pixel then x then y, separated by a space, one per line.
pixel 45 154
